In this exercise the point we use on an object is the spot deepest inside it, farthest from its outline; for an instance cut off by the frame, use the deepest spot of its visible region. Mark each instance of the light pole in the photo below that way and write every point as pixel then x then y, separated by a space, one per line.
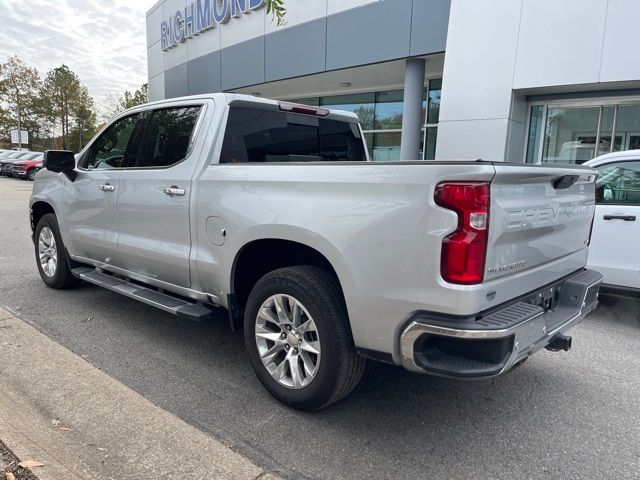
pixel 19 127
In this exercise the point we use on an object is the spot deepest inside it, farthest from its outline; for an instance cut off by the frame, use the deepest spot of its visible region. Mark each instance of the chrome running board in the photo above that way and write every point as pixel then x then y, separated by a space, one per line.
pixel 162 300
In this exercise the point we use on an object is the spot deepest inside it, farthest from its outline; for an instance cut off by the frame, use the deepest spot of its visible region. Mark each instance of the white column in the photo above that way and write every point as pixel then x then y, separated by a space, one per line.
pixel 412 120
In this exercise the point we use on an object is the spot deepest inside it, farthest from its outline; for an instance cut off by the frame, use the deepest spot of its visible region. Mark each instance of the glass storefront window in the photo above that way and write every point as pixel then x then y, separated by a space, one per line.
pixel 575 133
pixel 386 146
pixel 368 138
pixel 311 101
pixel 432 136
pixel 388 112
pixel 362 104
pixel 535 133
pixel 627 128
pixel 435 91
pixel 570 134
pixel 606 130
pixel 380 115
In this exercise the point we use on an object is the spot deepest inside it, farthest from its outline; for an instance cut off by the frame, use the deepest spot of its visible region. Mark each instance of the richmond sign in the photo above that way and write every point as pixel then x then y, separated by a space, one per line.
pixel 200 16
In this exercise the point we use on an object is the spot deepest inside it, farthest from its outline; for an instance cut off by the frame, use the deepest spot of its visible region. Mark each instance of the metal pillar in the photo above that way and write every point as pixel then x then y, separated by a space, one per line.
pixel 412 121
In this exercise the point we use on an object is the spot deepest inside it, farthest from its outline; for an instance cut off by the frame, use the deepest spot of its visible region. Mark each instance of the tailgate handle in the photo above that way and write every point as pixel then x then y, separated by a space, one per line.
pixel 626 218
pixel 565 181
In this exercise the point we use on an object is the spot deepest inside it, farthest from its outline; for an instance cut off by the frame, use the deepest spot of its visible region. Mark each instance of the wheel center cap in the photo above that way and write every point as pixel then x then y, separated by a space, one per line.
pixel 292 339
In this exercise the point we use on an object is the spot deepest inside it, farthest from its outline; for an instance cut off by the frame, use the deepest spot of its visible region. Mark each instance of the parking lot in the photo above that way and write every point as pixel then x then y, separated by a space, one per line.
pixel 560 415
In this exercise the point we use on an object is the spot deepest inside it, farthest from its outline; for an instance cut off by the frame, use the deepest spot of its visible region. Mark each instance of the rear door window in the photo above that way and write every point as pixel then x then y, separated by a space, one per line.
pixel 167 137
pixel 255 135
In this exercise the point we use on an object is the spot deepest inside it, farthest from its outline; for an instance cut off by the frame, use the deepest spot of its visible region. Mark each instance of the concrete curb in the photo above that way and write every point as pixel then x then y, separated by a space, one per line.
pixel 82 424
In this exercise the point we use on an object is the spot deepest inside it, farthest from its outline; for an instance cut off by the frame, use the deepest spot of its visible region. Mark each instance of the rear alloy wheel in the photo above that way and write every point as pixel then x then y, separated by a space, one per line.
pixel 31 174
pixel 288 342
pixel 298 339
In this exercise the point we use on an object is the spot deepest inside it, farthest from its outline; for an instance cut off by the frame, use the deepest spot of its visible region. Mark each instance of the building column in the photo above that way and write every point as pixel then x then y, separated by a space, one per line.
pixel 412 121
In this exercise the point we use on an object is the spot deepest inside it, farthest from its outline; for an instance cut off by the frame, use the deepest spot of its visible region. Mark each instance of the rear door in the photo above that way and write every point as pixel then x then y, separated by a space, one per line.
pixel 153 198
pixel 615 243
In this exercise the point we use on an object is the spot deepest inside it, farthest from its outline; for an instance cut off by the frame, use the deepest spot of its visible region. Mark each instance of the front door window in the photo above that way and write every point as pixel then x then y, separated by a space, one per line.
pixel 618 184
pixel 115 146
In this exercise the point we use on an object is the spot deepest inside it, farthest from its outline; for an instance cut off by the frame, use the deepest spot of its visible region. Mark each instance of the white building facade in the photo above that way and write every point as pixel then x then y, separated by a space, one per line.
pixel 502 80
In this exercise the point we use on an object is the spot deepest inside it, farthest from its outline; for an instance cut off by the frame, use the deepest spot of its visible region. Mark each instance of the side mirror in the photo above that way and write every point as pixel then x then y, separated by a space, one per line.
pixel 60 161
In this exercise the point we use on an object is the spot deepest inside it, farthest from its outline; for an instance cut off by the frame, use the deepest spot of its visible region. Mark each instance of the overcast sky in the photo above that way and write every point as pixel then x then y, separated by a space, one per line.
pixel 103 42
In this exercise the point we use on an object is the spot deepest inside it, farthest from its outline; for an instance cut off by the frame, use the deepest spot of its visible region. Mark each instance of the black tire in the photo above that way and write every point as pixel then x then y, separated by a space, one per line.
pixel 340 367
pixel 62 278
pixel 31 174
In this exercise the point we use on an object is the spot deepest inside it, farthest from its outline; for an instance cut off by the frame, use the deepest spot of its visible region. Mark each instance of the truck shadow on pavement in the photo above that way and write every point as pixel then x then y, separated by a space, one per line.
pixel 543 417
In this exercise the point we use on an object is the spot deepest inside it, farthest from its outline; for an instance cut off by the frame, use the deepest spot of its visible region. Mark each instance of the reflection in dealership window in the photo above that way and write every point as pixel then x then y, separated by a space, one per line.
pixel 575 134
pixel 628 128
pixel 619 184
pixel 362 104
pixel 380 115
pixel 571 134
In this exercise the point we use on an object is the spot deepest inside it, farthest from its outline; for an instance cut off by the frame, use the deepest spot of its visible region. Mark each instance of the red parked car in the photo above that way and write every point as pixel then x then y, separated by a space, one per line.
pixel 26 169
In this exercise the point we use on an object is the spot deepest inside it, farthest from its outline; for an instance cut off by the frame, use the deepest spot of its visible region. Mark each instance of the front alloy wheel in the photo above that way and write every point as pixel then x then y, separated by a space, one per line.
pixel 54 265
pixel 47 252
pixel 287 341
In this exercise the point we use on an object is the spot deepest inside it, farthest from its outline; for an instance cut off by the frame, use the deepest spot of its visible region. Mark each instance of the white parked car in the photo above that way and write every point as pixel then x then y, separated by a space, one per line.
pixel 615 241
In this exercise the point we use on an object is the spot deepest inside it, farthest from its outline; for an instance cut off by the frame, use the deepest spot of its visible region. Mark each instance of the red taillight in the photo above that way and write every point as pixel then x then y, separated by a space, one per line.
pixel 465 250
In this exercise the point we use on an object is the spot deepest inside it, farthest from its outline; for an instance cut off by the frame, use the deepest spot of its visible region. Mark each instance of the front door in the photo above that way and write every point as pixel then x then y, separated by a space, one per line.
pixel 89 202
pixel 153 199
pixel 615 240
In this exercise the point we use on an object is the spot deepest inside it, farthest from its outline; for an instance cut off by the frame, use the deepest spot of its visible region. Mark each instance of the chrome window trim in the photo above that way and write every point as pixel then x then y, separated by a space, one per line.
pixel 140 110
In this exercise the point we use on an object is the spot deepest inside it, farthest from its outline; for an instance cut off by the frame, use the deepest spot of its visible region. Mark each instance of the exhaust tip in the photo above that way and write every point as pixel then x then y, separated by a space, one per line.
pixel 559 342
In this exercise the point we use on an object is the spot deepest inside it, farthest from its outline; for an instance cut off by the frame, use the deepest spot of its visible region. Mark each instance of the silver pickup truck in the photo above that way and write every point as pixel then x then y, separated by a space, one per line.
pixel 273 211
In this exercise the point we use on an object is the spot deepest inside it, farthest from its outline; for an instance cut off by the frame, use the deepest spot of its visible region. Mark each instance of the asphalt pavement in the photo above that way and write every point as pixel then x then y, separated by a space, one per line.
pixel 560 415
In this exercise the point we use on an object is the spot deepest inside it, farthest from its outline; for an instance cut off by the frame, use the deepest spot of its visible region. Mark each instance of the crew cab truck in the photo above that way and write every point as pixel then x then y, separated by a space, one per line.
pixel 274 212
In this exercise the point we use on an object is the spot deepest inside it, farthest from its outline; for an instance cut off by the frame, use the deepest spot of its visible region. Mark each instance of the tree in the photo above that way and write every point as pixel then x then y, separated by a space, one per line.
pixel 365 114
pixel 19 88
pixel 116 104
pixel 67 102
pixel 84 114
pixel 276 7
pixel 140 96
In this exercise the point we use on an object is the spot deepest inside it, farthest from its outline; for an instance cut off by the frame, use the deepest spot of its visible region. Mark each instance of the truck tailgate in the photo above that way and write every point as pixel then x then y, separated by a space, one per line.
pixel 539 214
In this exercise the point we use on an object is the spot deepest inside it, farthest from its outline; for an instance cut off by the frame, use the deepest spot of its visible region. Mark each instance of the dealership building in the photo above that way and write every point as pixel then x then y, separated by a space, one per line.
pixel 503 80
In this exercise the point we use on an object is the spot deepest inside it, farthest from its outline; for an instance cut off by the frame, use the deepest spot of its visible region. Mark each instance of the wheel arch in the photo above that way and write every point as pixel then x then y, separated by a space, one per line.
pixel 39 209
pixel 258 257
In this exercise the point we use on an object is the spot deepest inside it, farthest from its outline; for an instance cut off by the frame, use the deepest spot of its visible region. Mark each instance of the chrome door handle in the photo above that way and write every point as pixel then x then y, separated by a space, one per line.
pixel 173 191
pixel 106 187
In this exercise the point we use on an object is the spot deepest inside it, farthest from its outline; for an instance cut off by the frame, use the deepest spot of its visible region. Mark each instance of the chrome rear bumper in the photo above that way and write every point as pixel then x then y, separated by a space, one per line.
pixel 491 344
